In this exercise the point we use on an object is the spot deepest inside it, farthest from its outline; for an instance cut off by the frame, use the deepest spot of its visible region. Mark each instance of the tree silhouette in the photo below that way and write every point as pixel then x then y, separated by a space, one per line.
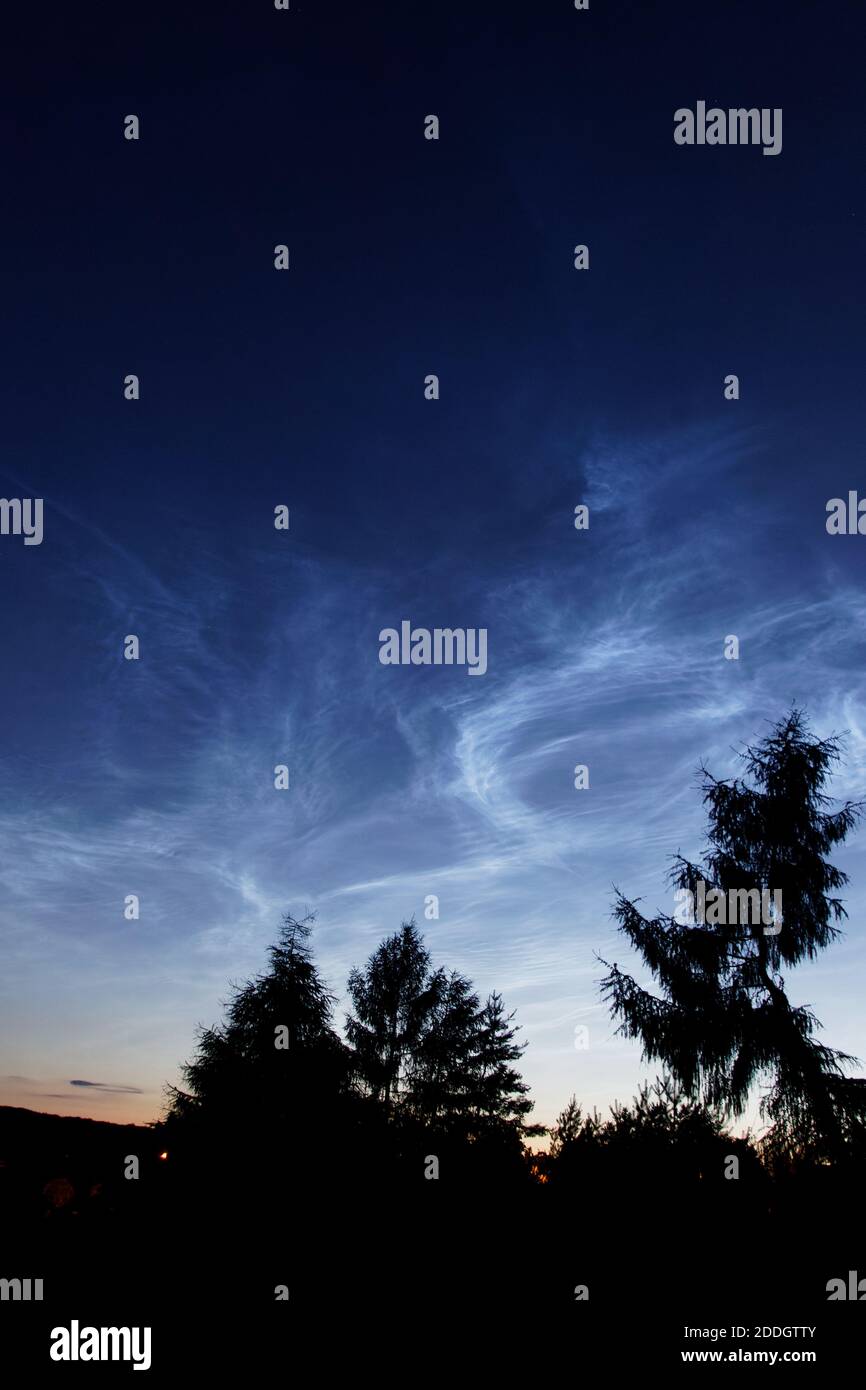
pixel 724 1021
pixel 442 1066
pixel 572 1127
pixel 429 1051
pixel 663 1140
pixel 661 1116
pixel 502 1094
pixel 273 1071
pixel 392 998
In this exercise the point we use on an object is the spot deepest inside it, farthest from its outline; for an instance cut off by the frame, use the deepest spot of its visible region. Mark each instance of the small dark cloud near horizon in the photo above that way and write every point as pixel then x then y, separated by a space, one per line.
pixel 110 1090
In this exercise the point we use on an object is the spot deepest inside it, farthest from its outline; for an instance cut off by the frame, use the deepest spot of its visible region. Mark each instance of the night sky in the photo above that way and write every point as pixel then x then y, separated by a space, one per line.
pixel 305 388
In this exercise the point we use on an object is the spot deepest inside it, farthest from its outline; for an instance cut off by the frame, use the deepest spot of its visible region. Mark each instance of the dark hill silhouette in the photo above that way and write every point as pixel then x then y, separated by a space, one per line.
pixel 69 1167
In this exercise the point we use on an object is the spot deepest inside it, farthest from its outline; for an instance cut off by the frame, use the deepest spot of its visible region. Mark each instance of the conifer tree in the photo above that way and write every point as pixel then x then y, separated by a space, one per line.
pixel 275 1058
pixel 723 1021
pixel 442 1070
pixel 392 997
pixel 428 1050
pixel 502 1094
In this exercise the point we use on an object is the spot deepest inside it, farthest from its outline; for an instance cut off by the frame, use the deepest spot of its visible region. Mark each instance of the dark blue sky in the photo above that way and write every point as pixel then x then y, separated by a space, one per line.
pixel 558 387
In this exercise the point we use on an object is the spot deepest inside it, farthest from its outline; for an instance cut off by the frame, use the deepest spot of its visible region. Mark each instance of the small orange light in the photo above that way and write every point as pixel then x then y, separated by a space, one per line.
pixel 164 1155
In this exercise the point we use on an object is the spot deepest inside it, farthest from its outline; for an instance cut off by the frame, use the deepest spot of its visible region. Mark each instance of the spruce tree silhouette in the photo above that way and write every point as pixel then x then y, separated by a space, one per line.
pixel 502 1095
pixel 441 1071
pixel 270 1075
pixel 724 1022
pixel 571 1127
pixel 435 1058
pixel 393 997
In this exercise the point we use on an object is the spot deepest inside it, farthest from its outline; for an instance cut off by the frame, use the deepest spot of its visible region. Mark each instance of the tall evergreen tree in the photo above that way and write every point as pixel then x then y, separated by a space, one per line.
pixel 502 1096
pixel 392 997
pixel 723 1021
pixel 275 1061
pixel 425 1046
pixel 442 1069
